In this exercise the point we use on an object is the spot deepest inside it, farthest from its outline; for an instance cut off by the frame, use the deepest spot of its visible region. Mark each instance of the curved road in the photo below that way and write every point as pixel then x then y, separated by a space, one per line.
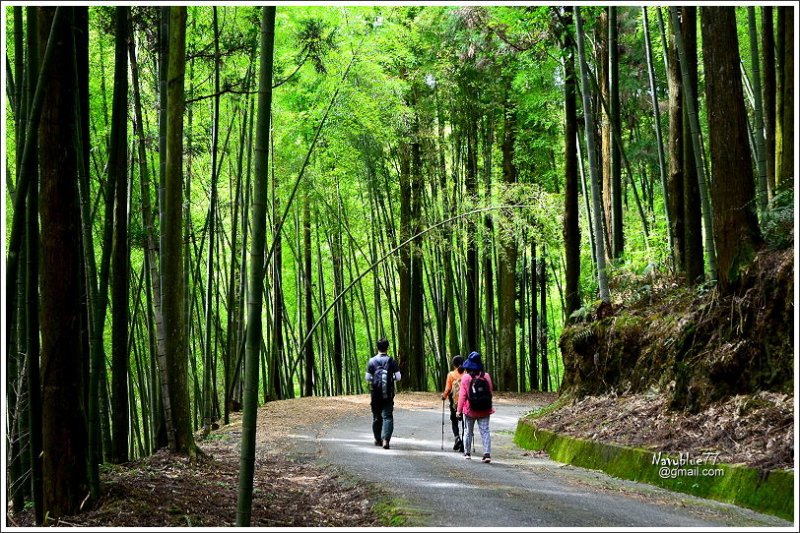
pixel 437 487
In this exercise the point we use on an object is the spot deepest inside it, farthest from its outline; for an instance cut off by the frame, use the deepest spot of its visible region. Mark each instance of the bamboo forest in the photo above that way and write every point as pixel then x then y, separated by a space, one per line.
pixel 238 236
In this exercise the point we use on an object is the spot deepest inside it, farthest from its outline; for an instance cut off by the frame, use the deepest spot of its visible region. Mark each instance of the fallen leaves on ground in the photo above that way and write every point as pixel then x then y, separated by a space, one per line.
pixel 167 490
pixel 756 430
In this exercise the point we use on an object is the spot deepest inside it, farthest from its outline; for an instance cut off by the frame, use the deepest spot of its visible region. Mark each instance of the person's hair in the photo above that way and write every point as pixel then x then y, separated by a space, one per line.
pixel 457 361
pixel 382 344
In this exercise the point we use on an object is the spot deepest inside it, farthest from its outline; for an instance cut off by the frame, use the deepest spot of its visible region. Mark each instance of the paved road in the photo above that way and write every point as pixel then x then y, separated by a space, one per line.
pixel 440 488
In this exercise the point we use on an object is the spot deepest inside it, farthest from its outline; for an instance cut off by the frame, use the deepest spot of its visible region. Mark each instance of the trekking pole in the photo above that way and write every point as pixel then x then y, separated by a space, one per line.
pixel 442 424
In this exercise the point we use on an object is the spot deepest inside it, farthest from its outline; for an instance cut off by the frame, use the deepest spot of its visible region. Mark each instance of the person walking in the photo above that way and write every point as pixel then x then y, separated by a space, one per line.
pixel 475 404
pixel 382 373
pixel 452 390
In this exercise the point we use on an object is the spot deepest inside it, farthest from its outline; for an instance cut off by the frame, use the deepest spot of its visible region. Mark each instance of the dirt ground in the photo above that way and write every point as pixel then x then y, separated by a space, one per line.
pixel 166 490
pixel 756 430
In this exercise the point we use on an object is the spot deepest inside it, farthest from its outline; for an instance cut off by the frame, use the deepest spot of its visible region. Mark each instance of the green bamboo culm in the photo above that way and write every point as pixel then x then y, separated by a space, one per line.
pixel 602 280
pixel 24 178
pixel 256 280
pixel 694 123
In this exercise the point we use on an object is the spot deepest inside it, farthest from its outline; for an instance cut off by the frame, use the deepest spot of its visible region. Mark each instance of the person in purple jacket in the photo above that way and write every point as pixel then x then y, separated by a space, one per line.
pixel 475 403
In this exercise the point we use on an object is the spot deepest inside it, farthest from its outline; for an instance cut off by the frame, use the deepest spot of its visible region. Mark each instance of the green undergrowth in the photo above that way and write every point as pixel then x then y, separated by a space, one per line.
pixel 770 492
pixel 393 512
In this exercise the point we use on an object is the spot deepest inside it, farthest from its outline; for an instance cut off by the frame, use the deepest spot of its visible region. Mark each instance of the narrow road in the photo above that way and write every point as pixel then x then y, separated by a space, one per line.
pixel 436 487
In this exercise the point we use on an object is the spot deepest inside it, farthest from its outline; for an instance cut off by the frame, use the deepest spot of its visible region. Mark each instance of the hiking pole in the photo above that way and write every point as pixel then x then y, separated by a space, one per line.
pixel 442 424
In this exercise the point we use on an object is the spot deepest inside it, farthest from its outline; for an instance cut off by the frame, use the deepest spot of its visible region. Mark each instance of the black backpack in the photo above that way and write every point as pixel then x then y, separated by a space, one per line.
pixel 383 382
pixel 480 394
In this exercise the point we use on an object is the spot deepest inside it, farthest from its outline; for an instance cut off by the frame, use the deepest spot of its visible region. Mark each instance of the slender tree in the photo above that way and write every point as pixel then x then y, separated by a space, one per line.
pixel 615 166
pixel 761 156
pixel 691 111
pixel 542 264
pixel 212 220
pixel 507 266
pixel 32 273
pixel 768 62
pixel 151 250
pixel 597 226
pixel 308 348
pixel 416 356
pixel 784 137
pixel 572 231
pixel 118 174
pixel 692 203
pixel 533 376
pixel 173 293
pixel 675 144
pixel 256 278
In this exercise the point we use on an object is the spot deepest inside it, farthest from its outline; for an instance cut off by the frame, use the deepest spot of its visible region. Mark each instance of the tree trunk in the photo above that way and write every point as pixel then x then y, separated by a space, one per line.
pixel 572 231
pixel 163 68
pixel 736 231
pixel 416 358
pixel 691 112
pixel 488 253
pixel 35 105
pixel 173 293
pixel 64 429
pixel 784 137
pixel 33 421
pixel 256 278
pixel 603 126
pixel 338 310
pixel 507 268
pixel 768 47
pixel 447 238
pixel 471 184
pixel 151 251
pixel 95 315
pixel 618 241
pixel 692 203
pixel 404 266
pixel 208 350
pixel 590 148
pixel 675 143
pixel 308 348
pixel 543 323
pixel 534 357
pixel 761 161
pixel 118 174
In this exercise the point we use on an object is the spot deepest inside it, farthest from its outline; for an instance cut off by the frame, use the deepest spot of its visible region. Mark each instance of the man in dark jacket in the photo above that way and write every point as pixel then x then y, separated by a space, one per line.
pixel 382 372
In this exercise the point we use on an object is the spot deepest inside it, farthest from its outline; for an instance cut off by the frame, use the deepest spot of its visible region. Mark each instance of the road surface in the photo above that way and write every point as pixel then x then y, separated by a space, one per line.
pixel 439 488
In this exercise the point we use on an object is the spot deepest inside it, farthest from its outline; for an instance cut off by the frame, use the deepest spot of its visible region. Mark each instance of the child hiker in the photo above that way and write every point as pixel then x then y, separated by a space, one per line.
pixel 452 388
pixel 475 403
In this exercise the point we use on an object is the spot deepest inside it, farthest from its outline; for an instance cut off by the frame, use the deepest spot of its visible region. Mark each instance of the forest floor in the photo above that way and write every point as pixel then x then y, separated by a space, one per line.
pixel 166 490
pixel 295 490
pixel 756 430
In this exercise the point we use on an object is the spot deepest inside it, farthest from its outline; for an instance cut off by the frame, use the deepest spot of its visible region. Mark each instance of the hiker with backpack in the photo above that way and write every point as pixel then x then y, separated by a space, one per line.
pixel 382 372
pixel 452 389
pixel 475 404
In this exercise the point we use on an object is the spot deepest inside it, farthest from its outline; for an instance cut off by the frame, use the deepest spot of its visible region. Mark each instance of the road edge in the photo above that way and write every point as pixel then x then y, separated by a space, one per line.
pixel 770 492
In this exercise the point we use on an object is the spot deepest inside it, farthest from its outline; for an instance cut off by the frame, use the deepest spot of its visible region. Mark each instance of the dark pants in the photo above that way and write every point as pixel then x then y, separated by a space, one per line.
pixel 454 422
pixel 382 419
